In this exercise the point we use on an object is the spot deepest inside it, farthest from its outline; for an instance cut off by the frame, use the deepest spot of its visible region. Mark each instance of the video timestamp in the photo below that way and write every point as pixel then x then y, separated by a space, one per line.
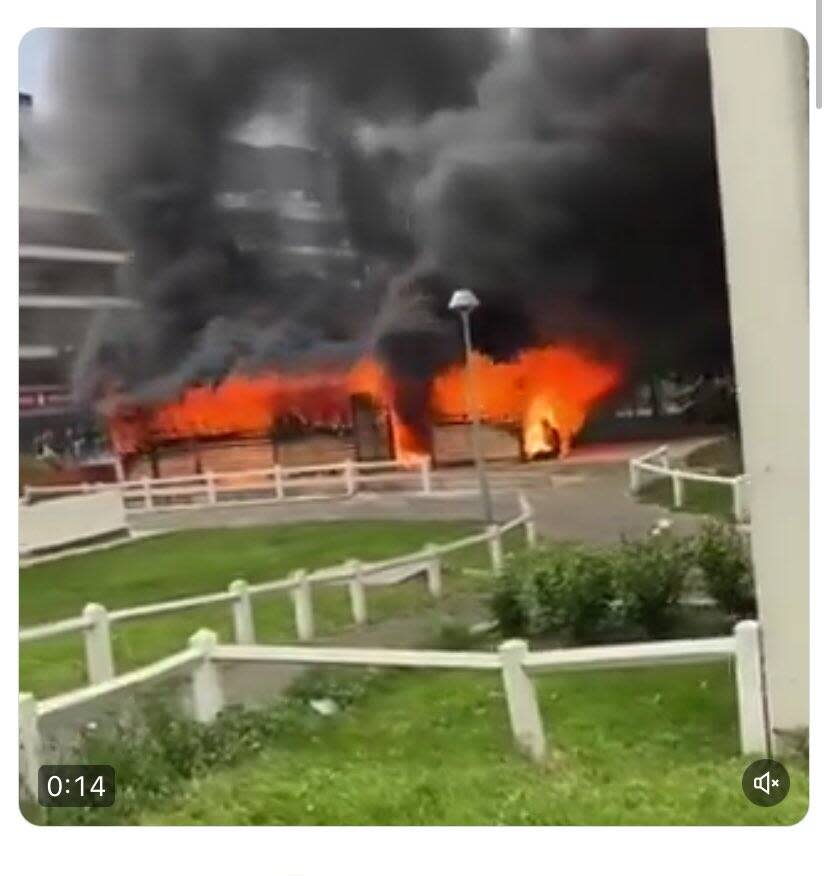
pixel 76 785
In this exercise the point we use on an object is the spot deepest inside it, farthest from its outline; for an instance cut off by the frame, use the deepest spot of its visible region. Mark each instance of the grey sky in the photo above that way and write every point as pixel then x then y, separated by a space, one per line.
pixel 32 55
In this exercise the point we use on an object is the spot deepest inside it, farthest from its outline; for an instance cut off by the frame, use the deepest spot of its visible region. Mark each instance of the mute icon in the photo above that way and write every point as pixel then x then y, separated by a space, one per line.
pixel 766 782
pixel 762 783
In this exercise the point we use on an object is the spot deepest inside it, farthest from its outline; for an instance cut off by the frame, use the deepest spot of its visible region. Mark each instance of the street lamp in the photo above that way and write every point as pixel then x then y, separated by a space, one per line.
pixel 463 302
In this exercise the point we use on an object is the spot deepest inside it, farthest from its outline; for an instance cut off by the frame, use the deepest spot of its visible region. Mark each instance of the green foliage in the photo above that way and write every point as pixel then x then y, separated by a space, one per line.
pixel 157 752
pixel 724 559
pixel 648 576
pixel 554 589
pixel 579 593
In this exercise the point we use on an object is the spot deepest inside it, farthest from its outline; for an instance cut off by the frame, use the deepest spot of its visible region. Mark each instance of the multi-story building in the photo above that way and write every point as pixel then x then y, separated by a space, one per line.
pixel 69 260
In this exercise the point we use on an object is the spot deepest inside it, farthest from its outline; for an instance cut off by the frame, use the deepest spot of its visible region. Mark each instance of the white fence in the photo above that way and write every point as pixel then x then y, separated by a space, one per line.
pixel 204 656
pixel 359 577
pixel 657 464
pixel 278 483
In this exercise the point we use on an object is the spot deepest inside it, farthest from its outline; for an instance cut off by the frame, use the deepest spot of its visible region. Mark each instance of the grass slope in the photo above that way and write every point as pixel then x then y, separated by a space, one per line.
pixel 204 561
pixel 699 498
pixel 722 457
pixel 643 746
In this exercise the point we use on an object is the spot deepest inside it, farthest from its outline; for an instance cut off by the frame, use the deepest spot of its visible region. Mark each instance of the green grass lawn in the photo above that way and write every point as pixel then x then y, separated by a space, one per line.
pixel 205 561
pixel 722 457
pixel 642 746
pixel 699 497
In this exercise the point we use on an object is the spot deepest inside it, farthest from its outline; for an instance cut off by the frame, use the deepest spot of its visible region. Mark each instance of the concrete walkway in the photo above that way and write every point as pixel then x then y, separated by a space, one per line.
pixel 584 497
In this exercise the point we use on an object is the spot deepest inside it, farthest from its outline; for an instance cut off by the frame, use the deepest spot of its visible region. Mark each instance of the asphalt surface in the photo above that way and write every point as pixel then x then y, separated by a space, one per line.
pixel 584 497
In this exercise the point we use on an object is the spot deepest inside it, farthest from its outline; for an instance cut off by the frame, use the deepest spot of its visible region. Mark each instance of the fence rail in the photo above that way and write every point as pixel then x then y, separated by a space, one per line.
pixel 657 462
pixel 516 664
pixel 95 622
pixel 278 483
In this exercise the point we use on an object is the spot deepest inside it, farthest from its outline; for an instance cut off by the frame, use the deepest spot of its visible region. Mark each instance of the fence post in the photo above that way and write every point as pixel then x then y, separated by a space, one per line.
pixel 356 590
pixel 434 572
pixel 678 490
pixel 527 511
pixel 522 702
pixel 29 743
pixel 635 476
pixel 207 695
pixel 425 474
pixel 495 547
pixel 740 504
pixel 749 688
pixel 302 605
pixel 242 613
pixel 278 483
pixel 211 487
pixel 98 645
pixel 349 473
pixel 145 483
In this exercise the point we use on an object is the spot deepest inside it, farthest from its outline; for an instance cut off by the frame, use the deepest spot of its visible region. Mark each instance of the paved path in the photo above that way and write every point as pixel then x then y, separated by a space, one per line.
pixel 584 497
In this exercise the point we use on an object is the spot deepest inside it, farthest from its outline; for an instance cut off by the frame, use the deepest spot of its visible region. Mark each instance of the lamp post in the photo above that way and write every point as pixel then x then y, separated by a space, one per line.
pixel 463 302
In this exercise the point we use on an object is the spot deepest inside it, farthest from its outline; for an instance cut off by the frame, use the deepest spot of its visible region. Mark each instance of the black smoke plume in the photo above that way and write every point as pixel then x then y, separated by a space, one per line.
pixel 568 177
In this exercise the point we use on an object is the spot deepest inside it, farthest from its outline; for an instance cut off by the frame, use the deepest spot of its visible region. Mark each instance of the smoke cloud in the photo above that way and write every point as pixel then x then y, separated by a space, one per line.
pixel 568 177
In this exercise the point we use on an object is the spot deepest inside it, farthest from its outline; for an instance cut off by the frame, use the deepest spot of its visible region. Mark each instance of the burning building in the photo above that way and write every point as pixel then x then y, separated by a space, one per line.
pixel 532 407
pixel 298 223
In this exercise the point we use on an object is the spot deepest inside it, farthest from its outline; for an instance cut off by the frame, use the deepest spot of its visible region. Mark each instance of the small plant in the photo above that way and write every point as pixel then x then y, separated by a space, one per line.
pixel 554 590
pixel 648 576
pixel 723 557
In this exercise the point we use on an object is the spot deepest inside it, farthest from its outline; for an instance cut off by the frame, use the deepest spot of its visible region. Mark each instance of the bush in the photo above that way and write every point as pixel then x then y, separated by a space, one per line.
pixel 649 576
pixel 723 557
pixel 554 590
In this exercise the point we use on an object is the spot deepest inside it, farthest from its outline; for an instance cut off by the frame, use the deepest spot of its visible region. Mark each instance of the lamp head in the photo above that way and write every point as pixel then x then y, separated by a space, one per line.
pixel 463 301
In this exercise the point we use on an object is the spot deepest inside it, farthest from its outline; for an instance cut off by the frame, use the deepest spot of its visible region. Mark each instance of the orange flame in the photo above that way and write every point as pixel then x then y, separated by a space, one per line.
pixel 548 390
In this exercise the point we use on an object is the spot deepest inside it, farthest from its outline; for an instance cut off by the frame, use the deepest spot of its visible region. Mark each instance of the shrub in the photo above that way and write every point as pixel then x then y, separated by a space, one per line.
pixel 554 590
pixel 723 557
pixel 648 576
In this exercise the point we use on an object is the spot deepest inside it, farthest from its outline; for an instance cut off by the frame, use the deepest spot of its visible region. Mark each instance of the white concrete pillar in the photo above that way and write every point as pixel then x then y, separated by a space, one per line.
pixel 97 644
pixel 242 613
pixel 425 474
pixel 350 475
pixel 749 688
pixel 207 697
pixel 302 606
pixel 635 477
pixel 521 700
pixel 760 103
pixel 528 512
pixel 678 491
pixel 29 743
pixel 147 492
pixel 434 573
pixel 495 544
pixel 211 487
pixel 741 501
pixel 278 483
pixel 356 591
